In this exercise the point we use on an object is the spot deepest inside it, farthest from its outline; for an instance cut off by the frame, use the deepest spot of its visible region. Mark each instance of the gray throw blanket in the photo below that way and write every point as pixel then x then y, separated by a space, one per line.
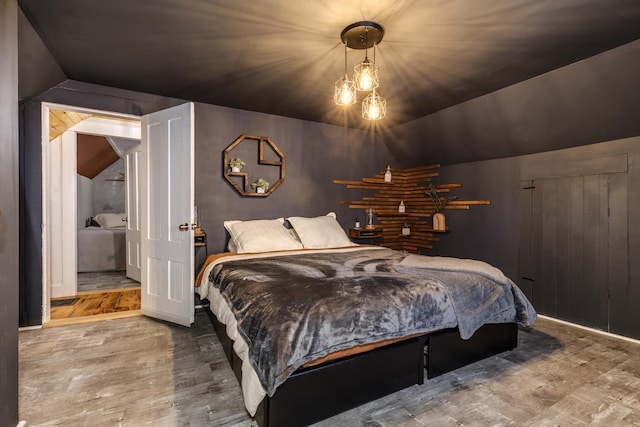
pixel 292 309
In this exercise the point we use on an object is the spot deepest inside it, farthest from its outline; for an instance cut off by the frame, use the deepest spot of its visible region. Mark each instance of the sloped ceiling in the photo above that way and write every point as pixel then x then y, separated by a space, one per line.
pixel 94 154
pixel 60 121
pixel 283 57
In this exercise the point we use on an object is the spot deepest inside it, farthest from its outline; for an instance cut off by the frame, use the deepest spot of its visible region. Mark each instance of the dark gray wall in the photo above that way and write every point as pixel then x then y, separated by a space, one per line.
pixel 9 221
pixel 315 154
pixel 492 233
pixel 587 102
pixel 36 66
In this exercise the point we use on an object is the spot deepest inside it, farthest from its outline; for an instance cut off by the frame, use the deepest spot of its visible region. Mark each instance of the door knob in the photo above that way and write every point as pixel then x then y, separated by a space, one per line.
pixel 184 227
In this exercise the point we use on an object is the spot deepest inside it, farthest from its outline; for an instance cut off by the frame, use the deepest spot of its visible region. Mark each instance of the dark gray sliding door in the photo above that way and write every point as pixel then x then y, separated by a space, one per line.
pixel 574 251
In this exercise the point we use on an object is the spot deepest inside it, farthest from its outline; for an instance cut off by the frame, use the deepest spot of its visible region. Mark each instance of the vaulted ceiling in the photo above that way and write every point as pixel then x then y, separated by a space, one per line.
pixel 283 57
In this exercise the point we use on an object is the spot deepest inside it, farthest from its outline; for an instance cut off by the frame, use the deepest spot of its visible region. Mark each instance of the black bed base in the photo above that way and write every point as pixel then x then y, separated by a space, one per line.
pixel 318 392
pixel 446 351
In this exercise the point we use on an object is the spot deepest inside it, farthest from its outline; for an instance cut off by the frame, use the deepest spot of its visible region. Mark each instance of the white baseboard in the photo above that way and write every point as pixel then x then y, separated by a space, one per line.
pixel 29 328
pixel 597 331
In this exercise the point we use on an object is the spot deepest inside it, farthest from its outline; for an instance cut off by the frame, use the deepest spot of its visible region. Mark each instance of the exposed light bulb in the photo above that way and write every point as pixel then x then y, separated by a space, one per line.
pixel 374 107
pixel 366 75
pixel 366 82
pixel 345 95
pixel 344 92
pixel 374 111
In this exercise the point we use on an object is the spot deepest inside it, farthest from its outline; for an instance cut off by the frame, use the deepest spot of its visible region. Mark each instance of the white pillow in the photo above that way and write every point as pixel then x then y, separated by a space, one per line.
pixel 110 220
pixel 320 232
pixel 260 235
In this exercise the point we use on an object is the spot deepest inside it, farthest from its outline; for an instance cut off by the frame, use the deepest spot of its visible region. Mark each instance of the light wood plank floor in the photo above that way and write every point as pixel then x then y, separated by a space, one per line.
pixel 92 303
pixel 139 371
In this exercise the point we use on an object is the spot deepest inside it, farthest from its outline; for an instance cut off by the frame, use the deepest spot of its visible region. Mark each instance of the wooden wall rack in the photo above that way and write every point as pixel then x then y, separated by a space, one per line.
pixel 409 186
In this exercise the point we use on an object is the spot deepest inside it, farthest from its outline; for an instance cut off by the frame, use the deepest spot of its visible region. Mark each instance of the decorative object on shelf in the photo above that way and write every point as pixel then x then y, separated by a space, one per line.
pixel 357 223
pixel 401 207
pixel 439 203
pixel 269 157
pixel 261 185
pixel 236 164
pixel 387 175
pixel 406 229
pixel 370 218
pixel 408 187
pixel 362 35
pixel 439 222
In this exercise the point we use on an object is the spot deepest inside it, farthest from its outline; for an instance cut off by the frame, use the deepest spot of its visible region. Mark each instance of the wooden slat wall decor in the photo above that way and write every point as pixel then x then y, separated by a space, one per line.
pixel 409 186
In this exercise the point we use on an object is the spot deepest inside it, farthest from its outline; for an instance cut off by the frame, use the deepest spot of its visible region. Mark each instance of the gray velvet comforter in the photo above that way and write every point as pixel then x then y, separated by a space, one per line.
pixel 295 308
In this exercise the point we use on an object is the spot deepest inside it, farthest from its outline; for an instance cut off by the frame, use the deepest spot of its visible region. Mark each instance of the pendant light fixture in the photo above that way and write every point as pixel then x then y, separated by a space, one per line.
pixel 366 72
pixel 362 35
pixel 374 107
pixel 345 90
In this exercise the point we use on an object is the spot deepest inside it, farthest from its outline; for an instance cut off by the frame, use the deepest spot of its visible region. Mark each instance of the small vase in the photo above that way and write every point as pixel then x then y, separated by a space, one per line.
pixel 260 190
pixel 387 175
pixel 235 169
pixel 406 231
pixel 439 222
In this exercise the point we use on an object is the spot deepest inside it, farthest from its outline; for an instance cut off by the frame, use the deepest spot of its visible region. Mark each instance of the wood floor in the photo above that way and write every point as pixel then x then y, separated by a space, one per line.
pixel 97 303
pixel 101 296
pixel 139 371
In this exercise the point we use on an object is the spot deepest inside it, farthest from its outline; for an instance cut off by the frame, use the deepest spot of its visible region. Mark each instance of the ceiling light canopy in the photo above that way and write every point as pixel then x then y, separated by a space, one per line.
pixel 362 35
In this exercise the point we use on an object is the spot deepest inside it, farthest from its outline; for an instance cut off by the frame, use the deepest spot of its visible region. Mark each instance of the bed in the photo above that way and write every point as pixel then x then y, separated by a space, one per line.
pixel 102 247
pixel 314 325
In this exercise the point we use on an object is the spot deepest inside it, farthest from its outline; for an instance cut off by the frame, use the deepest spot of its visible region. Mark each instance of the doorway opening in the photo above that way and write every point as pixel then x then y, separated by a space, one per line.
pixel 90 212
pixel 162 204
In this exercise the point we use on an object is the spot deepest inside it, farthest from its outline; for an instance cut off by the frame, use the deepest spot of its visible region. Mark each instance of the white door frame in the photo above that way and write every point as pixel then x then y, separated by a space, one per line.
pixel 125 129
pixel 132 208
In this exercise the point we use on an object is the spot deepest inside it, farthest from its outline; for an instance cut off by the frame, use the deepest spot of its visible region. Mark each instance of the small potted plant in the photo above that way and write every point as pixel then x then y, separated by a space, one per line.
pixel 236 164
pixel 261 185
pixel 406 229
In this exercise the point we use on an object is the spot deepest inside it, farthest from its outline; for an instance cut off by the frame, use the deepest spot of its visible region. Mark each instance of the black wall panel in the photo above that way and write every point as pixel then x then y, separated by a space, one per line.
pixel 590 228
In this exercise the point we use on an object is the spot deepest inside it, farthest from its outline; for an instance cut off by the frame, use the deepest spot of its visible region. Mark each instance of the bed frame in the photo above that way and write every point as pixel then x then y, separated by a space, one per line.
pixel 312 394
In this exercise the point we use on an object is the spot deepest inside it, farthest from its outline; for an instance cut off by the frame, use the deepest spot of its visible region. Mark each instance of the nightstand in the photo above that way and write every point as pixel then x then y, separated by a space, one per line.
pixel 366 235
pixel 199 238
pixel 200 241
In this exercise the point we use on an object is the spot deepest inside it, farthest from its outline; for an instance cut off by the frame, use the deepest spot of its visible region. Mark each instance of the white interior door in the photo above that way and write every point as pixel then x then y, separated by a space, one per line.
pixel 166 208
pixel 132 209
